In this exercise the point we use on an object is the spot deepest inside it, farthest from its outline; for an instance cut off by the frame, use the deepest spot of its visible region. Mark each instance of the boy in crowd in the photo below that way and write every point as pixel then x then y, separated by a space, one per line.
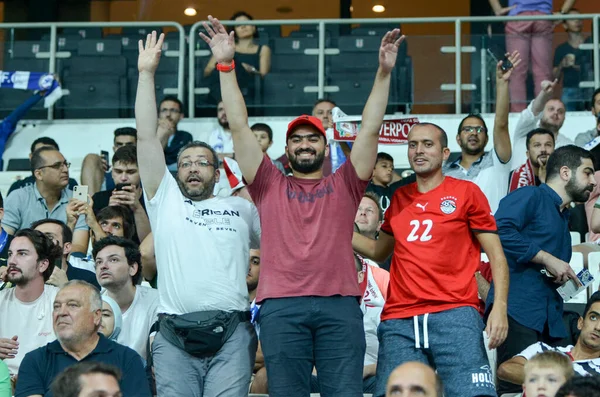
pixel 545 373
pixel 264 135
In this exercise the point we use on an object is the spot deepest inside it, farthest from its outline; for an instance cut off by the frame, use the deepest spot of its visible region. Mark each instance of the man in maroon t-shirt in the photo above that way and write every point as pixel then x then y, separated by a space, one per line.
pixel 310 315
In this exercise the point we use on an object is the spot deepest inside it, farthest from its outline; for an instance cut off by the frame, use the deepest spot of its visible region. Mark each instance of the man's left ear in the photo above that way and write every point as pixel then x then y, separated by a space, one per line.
pixel 217 174
pixel 565 173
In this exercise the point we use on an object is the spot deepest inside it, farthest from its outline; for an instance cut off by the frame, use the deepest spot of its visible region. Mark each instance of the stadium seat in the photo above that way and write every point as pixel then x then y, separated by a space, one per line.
pixel 93 96
pixel 101 48
pixel 575 238
pixel 18 165
pixel 84 33
pixel 283 63
pixel 353 90
pixel 594 268
pixel 27 49
pixel 284 94
pixel 353 62
pixel 140 31
pixel 294 45
pixel 359 43
pixel 273 31
pixel 577 266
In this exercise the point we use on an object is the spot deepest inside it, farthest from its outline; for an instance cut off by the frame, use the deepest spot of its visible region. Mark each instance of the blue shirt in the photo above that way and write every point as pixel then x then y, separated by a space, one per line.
pixel 529 220
pixel 9 124
pixel 41 366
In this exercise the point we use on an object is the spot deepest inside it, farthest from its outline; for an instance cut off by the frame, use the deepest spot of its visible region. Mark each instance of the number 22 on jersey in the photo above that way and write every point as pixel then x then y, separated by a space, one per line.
pixel 420 230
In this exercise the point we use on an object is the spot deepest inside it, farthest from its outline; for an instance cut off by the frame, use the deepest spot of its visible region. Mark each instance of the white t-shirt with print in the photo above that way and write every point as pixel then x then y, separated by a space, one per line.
pixel 30 321
pixel 138 319
pixel 202 249
pixel 221 140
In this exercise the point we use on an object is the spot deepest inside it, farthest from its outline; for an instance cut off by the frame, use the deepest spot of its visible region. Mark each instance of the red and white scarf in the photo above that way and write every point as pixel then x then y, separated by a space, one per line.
pixel 522 176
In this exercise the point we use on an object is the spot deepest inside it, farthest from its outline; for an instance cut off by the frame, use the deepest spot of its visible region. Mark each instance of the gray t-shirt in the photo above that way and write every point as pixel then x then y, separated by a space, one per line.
pixel 582 138
pixel 26 205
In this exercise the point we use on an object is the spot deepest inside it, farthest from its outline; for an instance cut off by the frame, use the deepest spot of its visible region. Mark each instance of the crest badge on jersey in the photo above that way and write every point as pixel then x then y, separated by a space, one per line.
pixel 448 205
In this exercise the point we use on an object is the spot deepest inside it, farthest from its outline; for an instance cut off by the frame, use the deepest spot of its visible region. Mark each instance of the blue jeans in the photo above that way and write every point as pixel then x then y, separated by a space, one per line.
pixel 571 97
pixel 301 332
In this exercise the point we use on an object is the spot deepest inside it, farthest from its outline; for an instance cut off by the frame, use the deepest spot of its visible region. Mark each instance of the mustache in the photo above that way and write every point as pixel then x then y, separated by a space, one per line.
pixel 300 151
pixel 195 178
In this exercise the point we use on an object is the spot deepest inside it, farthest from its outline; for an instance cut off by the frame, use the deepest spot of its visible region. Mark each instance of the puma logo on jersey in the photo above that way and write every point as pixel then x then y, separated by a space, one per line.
pixel 422 206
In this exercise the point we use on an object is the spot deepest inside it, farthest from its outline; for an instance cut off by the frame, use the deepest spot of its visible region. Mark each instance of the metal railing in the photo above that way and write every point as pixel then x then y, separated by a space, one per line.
pixel 53 53
pixel 457 85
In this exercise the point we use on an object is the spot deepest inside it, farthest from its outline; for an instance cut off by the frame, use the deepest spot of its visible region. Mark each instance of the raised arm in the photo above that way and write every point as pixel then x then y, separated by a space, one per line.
pixel 544 96
pixel 502 144
pixel 248 153
pixel 364 150
pixel 377 250
pixel 151 158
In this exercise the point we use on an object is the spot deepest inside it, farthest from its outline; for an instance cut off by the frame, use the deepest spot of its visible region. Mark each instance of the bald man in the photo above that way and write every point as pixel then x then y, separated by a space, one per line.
pixel 414 379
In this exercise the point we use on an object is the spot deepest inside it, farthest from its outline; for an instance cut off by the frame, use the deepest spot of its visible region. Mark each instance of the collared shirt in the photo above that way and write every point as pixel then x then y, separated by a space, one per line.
pixel 489 173
pixel 529 220
pixel 26 205
pixel 41 366
pixel 584 137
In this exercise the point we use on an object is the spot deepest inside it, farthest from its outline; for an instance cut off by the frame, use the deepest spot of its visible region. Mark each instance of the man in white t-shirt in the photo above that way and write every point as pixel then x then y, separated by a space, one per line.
pixel 544 112
pixel 220 138
pixel 119 271
pixel 26 309
pixel 585 354
pixel 202 246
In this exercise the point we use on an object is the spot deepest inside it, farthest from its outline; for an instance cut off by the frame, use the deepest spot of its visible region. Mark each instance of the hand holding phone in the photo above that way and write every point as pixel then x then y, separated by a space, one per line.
pixel 80 192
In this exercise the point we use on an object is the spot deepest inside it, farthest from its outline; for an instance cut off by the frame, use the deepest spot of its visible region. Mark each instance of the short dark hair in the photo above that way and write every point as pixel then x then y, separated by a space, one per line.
pixel 594 95
pixel 36 158
pixel 538 131
pixel 173 98
pixel 471 116
pixel 443 135
pixel 383 156
pixel 201 144
pixel 580 386
pixel 126 131
pixel 67 234
pixel 132 253
pixel 595 298
pixel 321 100
pixel 68 382
pixel 569 156
pixel 47 141
pixel 126 154
pixel 263 127
pixel 118 211
pixel 44 248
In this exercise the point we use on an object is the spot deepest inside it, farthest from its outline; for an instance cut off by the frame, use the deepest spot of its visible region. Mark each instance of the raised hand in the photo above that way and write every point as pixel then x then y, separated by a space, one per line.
pixel 514 59
pixel 222 44
pixel 548 86
pixel 388 52
pixel 150 53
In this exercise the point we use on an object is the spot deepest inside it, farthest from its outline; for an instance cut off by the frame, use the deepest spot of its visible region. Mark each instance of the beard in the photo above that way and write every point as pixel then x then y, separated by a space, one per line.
pixel 578 193
pixel 202 192
pixel 464 145
pixel 17 279
pixel 536 161
pixel 224 124
pixel 306 166
pixel 549 125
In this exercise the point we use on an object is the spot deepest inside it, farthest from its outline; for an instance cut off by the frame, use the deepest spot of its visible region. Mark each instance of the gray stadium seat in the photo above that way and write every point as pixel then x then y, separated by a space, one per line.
pixel 294 63
pixel 27 49
pixel 84 33
pixel 294 45
pixel 101 48
pixel 283 93
pixel 141 31
pixel 93 96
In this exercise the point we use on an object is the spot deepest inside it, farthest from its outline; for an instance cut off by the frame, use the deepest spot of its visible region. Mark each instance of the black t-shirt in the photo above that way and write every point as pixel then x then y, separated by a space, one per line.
pixel 101 200
pixel 385 193
pixel 572 75
pixel 75 273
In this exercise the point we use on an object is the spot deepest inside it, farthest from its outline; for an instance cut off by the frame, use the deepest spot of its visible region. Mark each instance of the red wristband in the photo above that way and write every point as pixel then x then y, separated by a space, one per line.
pixel 221 67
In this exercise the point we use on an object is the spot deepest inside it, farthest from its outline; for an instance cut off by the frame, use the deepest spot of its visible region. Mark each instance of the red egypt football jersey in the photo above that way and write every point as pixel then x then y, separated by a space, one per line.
pixel 436 253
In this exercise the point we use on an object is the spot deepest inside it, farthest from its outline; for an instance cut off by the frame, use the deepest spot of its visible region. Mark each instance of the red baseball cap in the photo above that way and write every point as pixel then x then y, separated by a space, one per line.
pixel 305 120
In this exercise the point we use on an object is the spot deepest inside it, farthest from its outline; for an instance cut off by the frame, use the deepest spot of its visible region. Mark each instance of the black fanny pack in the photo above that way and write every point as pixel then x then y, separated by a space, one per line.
pixel 201 334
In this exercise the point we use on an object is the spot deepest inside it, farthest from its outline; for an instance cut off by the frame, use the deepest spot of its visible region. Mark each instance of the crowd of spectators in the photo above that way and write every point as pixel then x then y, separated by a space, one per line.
pixel 214 270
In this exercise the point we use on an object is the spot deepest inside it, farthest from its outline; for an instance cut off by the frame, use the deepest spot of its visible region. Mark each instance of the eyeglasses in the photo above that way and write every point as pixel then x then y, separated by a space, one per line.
pixel 172 110
pixel 198 163
pixel 479 129
pixel 57 166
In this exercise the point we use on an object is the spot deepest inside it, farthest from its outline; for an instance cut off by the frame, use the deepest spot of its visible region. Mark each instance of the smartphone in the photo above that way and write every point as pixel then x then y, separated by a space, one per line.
pixel 80 192
pixel 506 64
pixel 120 186
pixel 104 155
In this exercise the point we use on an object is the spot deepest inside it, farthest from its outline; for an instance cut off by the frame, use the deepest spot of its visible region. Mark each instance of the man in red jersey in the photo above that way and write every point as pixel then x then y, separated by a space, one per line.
pixel 435 229
pixel 308 291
